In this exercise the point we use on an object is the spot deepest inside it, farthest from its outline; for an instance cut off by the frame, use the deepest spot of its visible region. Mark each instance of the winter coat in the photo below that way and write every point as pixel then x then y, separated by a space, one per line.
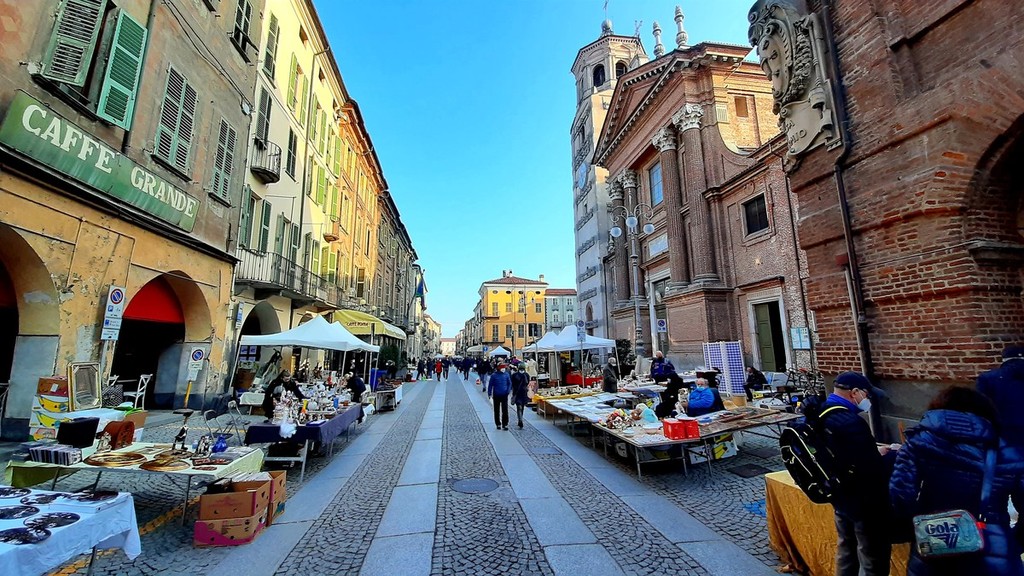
pixel 862 472
pixel 610 383
pixel 483 367
pixel 1005 387
pixel 940 468
pixel 661 368
pixel 700 401
pixel 438 368
pixel 499 384
pixel 356 385
pixel 520 384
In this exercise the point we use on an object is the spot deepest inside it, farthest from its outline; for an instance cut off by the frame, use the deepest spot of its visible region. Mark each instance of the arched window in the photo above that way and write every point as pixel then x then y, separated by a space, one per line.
pixel 620 69
pixel 599 76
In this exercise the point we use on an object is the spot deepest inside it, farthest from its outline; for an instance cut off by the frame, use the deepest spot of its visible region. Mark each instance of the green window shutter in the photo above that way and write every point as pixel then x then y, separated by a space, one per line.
pixel 224 160
pixel 321 186
pixel 332 271
pixel 73 41
pixel 279 235
pixel 263 117
pixel 337 156
pixel 296 240
pixel 270 54
pixel 334 201
pixel 322 132
pixel 293 76
pixel 121 78
pixel 325 258
pixel 177 121
pixel 302 101
pixel 314 248
pixel 244 219
pixel 265 228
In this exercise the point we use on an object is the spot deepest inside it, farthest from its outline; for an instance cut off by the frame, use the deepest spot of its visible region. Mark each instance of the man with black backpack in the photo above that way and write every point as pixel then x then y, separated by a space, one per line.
pixel 861 471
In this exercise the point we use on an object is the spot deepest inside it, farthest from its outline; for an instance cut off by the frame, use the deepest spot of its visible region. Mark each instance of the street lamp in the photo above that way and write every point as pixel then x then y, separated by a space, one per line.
pixel 632 220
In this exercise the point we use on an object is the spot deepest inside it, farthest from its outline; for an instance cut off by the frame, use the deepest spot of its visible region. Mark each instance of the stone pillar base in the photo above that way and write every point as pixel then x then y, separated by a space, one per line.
pixel 676 288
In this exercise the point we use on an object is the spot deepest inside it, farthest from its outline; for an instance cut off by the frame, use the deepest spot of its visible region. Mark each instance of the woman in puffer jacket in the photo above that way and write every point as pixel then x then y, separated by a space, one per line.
pixel 941 467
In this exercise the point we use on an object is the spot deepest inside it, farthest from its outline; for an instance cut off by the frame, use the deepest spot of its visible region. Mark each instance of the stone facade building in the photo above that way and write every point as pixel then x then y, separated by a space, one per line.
pixel 122 150
pixel 692 148
pixel 906 123
pixel 561 308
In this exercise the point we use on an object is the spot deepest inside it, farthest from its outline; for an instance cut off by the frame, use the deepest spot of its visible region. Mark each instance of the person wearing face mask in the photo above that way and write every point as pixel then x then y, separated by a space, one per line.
pixel 863 469
pixel 700 400
pixel 498 388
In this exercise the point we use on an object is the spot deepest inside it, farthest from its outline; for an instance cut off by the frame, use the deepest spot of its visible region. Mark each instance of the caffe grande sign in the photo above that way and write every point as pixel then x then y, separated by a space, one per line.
pixel 36 131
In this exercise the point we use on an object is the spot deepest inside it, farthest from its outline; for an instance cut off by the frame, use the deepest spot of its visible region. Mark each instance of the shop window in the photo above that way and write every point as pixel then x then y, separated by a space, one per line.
pixel 755 214
pixel 75 46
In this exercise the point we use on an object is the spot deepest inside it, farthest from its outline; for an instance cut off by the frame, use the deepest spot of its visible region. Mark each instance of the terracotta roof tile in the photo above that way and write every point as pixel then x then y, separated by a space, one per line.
pixel 560 292
pixel 514 280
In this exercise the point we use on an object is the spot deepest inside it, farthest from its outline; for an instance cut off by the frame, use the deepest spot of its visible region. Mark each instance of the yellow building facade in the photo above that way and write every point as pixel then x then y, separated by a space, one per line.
pixel 512 312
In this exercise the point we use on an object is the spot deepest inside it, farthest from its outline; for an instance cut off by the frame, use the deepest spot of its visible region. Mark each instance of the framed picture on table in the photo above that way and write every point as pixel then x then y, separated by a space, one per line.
pixel 84 385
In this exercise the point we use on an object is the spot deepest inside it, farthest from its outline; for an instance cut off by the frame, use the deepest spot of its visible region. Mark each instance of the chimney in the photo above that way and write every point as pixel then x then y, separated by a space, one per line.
pixel 541 277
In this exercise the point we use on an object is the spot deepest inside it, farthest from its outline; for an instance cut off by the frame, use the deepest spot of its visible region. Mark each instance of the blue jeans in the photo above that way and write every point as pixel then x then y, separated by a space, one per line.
pixel 864 548
pixel 484 380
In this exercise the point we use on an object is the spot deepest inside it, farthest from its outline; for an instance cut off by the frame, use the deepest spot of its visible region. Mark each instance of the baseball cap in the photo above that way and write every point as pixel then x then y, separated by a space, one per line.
pixel 851 380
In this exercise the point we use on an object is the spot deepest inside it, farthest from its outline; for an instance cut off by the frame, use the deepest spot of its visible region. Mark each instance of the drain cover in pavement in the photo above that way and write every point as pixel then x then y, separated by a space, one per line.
pixel 546 450
pixel 748 470
pixel 474 485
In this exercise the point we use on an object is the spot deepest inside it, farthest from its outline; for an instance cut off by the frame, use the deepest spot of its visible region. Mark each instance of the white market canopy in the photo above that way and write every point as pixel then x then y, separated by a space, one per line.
pixel 544 344
pixel 499 351
pixel 475 349
pixel 567 340
pixel 317 333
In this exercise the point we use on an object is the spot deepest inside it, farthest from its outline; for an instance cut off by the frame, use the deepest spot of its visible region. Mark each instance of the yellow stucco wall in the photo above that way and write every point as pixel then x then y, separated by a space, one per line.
pixel 515 318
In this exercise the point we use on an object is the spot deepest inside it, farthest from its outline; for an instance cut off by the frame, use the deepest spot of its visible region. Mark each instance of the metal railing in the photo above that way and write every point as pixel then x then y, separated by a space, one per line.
pixel 266 161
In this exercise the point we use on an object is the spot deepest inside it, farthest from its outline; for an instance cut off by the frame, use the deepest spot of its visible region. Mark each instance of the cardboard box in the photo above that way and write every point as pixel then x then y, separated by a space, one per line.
pixel 278 495
pixel 53 386
pixel 245 500
pixel 137 418
pixel 228 532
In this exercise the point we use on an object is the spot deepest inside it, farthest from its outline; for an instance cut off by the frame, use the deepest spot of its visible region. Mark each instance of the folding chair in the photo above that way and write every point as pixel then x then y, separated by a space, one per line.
pixel 138 396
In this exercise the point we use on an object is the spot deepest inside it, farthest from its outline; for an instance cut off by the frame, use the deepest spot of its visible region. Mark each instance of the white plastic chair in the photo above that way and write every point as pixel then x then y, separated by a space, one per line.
pixel 138 395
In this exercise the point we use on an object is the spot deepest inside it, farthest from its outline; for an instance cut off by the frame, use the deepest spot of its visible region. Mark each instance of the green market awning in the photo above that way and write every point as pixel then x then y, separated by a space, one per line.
pixel 363 324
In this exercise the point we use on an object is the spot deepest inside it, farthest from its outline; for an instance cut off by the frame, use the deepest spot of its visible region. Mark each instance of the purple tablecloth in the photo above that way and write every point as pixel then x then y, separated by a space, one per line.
pixel 323 433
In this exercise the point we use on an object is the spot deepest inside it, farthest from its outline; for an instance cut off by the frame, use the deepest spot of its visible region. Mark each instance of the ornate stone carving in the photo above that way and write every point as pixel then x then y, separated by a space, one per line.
pixel 689 116
pixel 614 190
pixel 664 139
pixel 659 48
pixel 628 179
pixel 790 46
pixel 681 36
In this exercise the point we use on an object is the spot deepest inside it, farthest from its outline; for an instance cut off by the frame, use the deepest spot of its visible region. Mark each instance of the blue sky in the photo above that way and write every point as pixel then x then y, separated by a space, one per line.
pixel 468 104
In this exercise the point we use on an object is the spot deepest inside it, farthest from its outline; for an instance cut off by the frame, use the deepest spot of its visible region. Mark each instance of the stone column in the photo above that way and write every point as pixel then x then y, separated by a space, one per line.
pixel 615 194
pixel 687 121
pixel 678 257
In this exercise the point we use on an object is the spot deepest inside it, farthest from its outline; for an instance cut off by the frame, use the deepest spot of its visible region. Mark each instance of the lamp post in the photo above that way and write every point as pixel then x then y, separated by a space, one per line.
pixel 632 219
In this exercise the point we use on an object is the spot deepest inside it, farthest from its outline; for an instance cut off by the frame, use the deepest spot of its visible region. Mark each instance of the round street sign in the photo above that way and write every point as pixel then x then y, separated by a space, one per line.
pixel 197 354
pixel 116 296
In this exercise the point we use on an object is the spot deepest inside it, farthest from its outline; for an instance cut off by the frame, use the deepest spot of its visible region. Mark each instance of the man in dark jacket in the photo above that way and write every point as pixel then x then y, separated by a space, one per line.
pixel 861 499
pixel 1005 387
pixel 483 370
pixel 661 367
pixel 520 385
pixel 498 388
pixel 356 386
pixel 755 381
pixel 610 383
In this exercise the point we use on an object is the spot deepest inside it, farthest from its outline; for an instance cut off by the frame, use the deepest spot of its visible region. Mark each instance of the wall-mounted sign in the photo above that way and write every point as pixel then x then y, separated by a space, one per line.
pixel 195 362
pixel 40 133
pixel 801 338
pixel 662 325
pixel 113 311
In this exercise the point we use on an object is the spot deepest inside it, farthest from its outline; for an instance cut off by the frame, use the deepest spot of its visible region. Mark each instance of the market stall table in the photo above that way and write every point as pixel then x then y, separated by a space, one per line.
pixel 251 399
pixel 803 533
pixel 388 399
pixel 325 432
pixel 143 454
pixel 112 525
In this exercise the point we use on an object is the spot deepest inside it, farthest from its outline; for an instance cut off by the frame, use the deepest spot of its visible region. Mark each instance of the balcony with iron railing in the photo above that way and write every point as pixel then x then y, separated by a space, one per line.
pixel 266 161
pixel 273 273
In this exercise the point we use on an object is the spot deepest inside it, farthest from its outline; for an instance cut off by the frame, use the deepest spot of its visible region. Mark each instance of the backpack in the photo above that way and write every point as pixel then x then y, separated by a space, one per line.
pixel 808 459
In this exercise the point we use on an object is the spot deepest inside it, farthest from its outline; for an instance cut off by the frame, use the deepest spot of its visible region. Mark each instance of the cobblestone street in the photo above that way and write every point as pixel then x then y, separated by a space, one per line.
pixel 542 501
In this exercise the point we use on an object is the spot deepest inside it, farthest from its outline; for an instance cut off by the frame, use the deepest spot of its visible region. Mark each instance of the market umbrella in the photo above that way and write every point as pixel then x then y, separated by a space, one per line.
pixel 499 351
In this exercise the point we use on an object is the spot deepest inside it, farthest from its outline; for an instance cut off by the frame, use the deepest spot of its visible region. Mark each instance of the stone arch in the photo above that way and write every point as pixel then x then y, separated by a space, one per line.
pixel 194 306
pixel 265 314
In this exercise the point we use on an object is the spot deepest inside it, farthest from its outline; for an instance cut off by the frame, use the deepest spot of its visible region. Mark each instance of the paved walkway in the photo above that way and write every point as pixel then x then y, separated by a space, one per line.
pixel 386 504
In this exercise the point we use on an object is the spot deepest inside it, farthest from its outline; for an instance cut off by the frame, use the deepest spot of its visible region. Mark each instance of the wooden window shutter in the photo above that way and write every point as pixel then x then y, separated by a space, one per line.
pixel 121 78
pixel 293 75
pixel 265 228
pixel 334 201
pixel 296 239
pixel 263 117
pixel 73 41
pixel 321 186
pixel 224 160
pixel 279 235
pixel 314 263
pixel 245 222
pixel 325 258
pixel 302 100
pixel 270 54
pixel 177 121
pixel 337 156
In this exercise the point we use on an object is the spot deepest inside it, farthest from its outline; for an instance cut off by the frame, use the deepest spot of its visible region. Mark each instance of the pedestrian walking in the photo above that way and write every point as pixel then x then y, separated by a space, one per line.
pixel 467 363
pixel 520 387
pixel 438 369
pixel 661 367
pixel 955 460
pixel 498 389
pixel 446 364
pixel 483 370
pixel 861 498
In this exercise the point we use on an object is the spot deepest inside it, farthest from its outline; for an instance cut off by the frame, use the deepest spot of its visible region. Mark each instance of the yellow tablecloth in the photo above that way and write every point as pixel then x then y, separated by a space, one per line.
pixel 803 533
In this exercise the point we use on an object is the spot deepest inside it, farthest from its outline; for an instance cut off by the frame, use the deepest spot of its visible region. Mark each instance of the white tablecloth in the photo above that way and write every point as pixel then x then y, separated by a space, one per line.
pixel 112 527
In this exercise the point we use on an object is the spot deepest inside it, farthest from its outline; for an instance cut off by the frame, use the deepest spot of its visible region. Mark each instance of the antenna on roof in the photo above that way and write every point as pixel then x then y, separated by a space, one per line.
pixel 636 31
pixel 605 9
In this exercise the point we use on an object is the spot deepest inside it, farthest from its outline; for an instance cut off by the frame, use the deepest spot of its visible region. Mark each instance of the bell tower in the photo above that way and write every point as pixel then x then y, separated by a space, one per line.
pixel 597 69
